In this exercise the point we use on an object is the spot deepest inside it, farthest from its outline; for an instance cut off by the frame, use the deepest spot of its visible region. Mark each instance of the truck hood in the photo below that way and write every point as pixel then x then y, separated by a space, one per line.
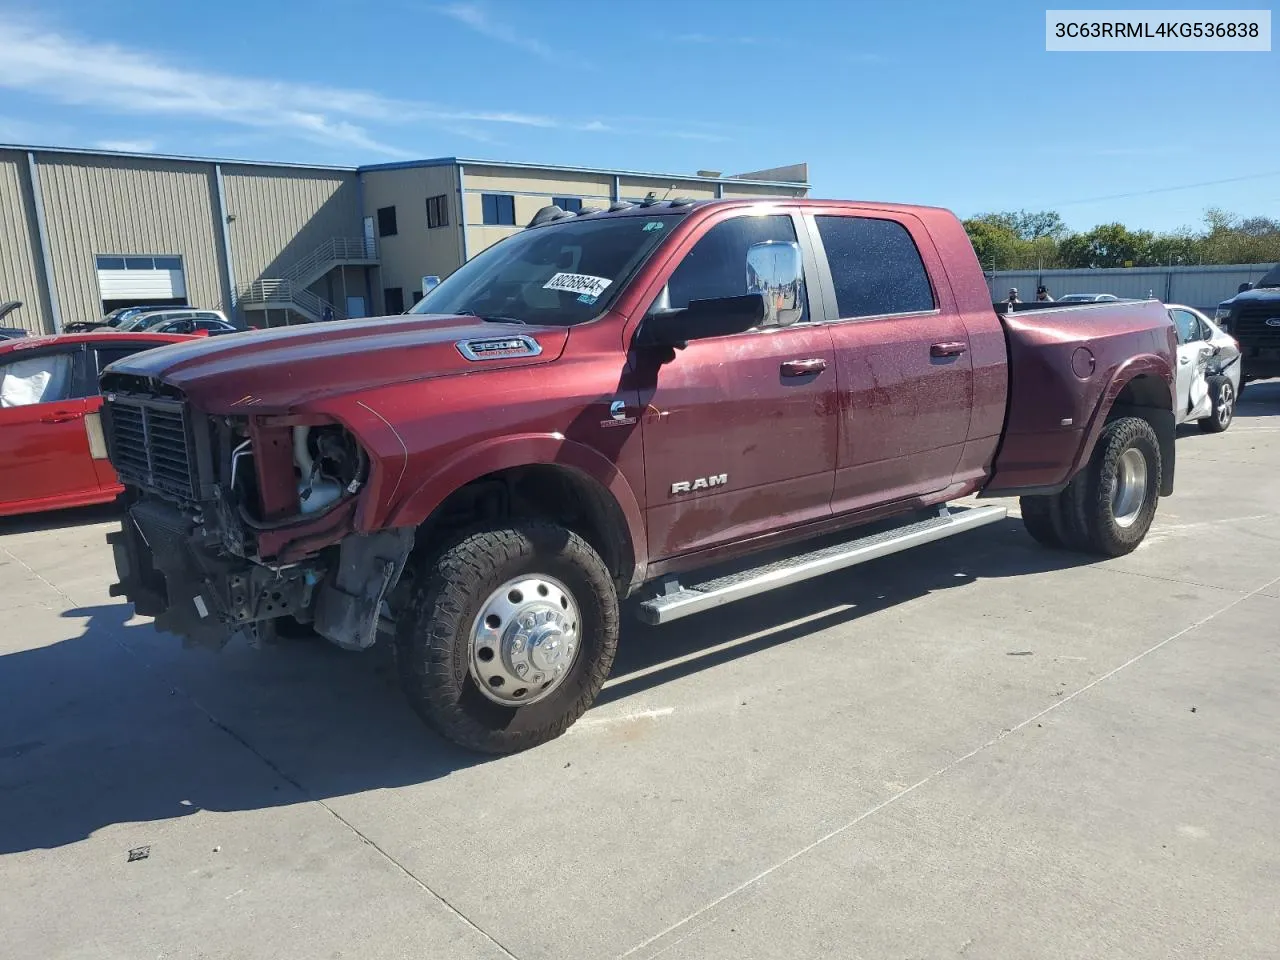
pixel 273 370
pixel 1252 296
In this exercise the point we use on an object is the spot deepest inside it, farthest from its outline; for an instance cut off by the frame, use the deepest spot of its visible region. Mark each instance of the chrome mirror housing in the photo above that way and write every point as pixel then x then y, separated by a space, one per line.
pixel 775 269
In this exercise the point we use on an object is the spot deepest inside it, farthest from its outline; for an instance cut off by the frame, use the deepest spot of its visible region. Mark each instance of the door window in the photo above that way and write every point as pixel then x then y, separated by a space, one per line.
pixel 875 267
pixel 109 355
pixel 1188 326
pixel 40 379
pixel 717 264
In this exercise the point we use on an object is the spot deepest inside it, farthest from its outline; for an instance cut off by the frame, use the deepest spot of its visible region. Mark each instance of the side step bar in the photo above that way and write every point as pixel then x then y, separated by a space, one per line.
pixel 695 598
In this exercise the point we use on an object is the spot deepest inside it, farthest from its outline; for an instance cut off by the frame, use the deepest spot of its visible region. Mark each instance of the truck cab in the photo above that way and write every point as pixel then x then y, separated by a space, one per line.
pixel 1252 316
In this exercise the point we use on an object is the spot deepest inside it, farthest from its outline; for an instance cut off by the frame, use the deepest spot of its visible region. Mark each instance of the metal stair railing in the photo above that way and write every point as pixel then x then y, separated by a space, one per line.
pixel 333 251
pixel 287 292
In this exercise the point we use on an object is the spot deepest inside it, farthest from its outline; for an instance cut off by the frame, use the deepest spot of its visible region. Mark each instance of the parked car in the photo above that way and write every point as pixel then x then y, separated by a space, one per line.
pixel 10 333
pixel 151 319
pixel 202 324
pixel 112 320
pixel 682 402
pixel 1252 316
pixel 1208 378
pixel 1088 298
pixel 51 441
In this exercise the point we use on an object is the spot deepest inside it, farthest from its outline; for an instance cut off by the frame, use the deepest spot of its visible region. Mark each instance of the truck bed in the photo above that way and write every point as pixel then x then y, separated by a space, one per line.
pixel 1065 360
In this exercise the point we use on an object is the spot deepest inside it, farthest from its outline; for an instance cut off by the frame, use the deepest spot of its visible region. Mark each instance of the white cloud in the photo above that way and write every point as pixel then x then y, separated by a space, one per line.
pixel 479 19
pixel 113 79
pixel 708 38
pixel 126 146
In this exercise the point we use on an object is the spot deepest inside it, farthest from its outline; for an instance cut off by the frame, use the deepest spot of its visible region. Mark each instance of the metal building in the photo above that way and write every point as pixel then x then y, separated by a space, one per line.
pixel 1200 287
pixel 83 231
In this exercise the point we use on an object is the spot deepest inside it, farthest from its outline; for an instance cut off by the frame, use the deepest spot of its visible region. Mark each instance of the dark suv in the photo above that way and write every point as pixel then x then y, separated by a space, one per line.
pixel 1252 316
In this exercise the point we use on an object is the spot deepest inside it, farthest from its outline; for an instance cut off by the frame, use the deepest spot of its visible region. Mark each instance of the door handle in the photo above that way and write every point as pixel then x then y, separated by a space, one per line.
pixel 948 348
pixel 59 416
pixel 803 368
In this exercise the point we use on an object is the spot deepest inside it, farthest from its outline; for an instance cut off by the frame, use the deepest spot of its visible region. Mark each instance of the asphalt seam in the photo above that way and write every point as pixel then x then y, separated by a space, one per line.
pixel 940 772
pixel 271 765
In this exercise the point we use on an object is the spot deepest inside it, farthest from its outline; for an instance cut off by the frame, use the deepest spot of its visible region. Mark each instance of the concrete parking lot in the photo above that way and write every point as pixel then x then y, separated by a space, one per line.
pixel 979 749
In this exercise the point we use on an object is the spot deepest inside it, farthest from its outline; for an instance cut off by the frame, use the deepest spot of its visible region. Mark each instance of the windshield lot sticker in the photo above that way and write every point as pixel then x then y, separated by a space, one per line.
pixel 653 225
pixel 578 283
pixel 587 298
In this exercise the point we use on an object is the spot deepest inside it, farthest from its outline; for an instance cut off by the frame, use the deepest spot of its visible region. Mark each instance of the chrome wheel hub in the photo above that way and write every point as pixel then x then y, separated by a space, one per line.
pixel 1129 487
pixel 524 640
pixel 1226 404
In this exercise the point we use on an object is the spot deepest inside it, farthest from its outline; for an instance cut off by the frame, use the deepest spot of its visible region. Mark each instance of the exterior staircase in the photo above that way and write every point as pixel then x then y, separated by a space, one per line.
pixel 290 290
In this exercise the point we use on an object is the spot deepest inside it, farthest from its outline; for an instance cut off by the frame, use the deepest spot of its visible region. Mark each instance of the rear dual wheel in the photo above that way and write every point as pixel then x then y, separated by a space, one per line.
pixel 1109 506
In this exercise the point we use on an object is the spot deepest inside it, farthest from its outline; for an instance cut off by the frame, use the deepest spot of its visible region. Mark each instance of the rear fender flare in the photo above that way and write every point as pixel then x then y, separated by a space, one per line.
pixel 504 453
pixel 1161 417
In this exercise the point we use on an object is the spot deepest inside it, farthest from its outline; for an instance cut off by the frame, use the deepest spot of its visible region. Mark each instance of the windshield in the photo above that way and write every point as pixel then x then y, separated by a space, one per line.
pixel 562 274
pixel 1271 278
pixel 134 322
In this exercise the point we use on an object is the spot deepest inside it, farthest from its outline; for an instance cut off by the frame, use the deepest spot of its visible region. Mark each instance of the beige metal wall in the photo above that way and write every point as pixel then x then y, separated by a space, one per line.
pixel 533 190
pixel 415 251
pixel 284 214
pixel 112 205
pixel 20 269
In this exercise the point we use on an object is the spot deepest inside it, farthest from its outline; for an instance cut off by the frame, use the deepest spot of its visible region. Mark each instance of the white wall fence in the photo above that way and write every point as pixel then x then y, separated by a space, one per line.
pixel 1201 287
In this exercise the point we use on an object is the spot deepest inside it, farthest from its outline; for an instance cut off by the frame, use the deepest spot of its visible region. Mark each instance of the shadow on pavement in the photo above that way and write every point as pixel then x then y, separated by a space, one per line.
pixel 1261 398
pixel 60 519
pixel 121 724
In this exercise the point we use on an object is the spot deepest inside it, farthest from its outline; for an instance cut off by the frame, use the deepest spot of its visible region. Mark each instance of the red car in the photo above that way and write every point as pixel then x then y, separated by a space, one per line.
pixel 50 436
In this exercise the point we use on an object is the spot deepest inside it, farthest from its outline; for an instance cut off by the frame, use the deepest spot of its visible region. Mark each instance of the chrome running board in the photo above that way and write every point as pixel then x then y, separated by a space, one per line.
pixel 682 601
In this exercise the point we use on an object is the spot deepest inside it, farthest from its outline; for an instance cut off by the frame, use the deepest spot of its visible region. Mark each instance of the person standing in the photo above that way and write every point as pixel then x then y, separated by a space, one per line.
pixel 1042 295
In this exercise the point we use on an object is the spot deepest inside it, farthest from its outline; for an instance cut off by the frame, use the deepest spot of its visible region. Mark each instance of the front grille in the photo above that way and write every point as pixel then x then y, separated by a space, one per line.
pixel 150 445
pixel 1250 324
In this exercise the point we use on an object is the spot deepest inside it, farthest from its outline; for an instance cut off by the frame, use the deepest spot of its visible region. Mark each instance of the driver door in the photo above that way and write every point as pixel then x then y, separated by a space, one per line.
pixel 739 430
pixel 44 445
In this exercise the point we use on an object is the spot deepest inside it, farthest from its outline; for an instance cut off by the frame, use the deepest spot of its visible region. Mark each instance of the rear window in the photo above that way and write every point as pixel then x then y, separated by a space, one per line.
pixel 875 267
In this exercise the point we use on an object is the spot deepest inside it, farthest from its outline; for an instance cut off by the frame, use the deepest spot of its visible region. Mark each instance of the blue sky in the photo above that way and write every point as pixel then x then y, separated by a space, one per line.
pixel 955 104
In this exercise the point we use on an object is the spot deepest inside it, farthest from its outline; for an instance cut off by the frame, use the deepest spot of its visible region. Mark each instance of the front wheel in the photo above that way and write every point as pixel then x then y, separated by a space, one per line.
pixel 1223 395
pixel 509 636
pixel 1112 502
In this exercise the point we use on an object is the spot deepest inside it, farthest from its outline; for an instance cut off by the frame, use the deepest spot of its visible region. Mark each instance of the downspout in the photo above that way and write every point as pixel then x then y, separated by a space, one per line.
pixel 462 211
pixel 226 243
pixel 42 233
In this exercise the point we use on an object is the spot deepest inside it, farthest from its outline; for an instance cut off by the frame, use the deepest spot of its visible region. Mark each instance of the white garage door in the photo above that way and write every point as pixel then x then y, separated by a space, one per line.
pixel 141 278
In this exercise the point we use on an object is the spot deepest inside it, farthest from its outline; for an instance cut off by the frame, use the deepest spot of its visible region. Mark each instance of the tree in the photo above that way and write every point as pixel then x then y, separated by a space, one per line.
pixel 1107 245
pixel 995 244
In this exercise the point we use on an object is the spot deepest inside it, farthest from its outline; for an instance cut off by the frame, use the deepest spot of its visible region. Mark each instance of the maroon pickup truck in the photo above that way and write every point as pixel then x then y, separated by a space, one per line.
pixel 681 402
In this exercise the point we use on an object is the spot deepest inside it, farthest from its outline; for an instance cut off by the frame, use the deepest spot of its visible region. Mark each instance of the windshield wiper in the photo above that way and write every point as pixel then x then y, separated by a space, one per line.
pixel 492 319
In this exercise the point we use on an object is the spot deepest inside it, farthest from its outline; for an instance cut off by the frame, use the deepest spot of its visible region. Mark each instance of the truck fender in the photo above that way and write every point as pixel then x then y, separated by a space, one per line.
pixel 1156 407
pixel 503 453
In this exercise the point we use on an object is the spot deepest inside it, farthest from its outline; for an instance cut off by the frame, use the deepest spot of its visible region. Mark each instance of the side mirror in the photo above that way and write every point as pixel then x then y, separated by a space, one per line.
pixel 775 270
pixel 701 320
pixel 1244 286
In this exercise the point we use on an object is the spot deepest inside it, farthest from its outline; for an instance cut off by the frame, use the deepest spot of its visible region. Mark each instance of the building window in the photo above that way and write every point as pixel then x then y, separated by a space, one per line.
pixel 572 204
pixel 437 211
pixel 393 298
pixel 110 263
pixel 499 209
pixel 386 221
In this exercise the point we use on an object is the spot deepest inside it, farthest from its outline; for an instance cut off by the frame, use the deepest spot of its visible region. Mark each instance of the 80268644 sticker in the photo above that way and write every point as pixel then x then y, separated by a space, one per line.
pixel 578 283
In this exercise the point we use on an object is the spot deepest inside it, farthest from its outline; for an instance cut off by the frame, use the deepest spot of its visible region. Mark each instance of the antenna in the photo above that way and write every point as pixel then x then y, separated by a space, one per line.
pixel 668 193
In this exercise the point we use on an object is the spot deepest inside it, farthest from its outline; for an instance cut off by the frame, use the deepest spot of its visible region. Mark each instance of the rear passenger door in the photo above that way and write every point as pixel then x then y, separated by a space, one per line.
pixel 903 370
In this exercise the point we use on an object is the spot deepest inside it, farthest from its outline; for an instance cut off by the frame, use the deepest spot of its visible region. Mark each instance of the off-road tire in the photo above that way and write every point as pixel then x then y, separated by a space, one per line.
pixel 1087 503
pixel 432 643
pixel 1037 518
pixel 1224 397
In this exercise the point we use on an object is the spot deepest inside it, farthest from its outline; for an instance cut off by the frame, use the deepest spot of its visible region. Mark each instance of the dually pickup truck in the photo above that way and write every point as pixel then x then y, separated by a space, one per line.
pixel 683 403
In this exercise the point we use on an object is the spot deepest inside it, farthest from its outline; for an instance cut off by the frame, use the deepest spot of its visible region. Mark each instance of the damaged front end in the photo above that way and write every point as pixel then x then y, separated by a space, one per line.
pixel 235 522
